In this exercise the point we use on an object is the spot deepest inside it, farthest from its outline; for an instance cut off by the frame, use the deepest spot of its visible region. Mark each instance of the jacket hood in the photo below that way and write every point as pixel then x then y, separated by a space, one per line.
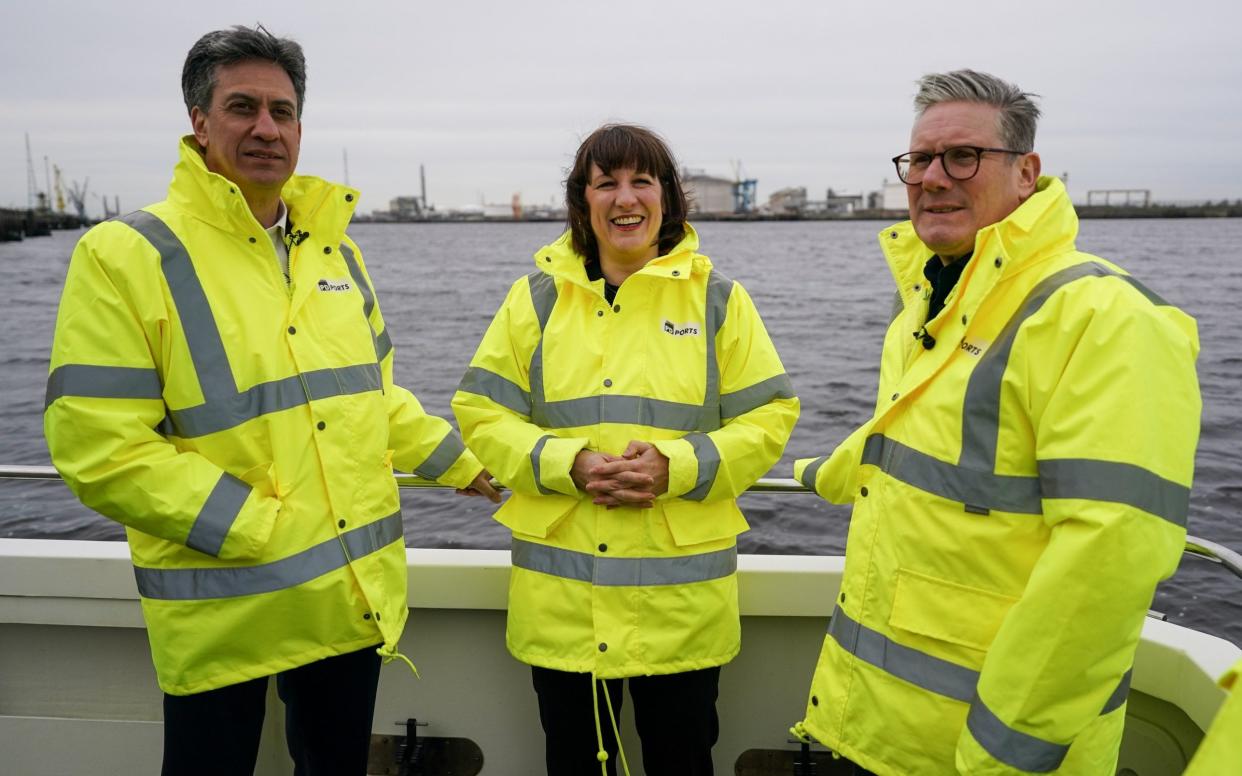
pixel 1042 225
pixel 215 199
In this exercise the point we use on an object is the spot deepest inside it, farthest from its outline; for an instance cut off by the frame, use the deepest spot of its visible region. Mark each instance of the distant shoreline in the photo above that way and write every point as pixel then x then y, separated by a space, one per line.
pixel 1223 210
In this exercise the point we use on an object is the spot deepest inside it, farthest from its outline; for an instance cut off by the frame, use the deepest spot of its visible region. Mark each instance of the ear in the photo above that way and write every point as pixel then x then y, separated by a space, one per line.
pixel 1028 174
pixel 198 121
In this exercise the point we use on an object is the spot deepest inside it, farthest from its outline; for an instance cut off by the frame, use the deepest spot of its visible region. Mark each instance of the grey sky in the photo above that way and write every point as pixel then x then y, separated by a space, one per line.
pixel 494 97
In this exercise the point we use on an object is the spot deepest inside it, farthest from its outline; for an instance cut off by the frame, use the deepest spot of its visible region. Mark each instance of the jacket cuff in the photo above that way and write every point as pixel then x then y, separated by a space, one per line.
pixel 462 472
pixel 552 459
pixel 683 466
pixel 251 530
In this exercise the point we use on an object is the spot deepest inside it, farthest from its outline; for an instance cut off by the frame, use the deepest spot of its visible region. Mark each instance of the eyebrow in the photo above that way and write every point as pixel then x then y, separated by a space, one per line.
pixel 280 101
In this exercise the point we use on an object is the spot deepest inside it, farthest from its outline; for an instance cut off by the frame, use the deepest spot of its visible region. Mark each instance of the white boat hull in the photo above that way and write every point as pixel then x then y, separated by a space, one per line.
pixel 78 693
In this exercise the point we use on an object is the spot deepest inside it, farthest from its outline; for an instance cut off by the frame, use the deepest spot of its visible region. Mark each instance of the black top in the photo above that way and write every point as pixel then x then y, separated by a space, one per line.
pixel 596 272
pixel 942 278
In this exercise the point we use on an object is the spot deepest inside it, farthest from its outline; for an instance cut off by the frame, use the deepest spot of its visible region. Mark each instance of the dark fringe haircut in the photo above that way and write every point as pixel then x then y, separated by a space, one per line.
pixel 618 147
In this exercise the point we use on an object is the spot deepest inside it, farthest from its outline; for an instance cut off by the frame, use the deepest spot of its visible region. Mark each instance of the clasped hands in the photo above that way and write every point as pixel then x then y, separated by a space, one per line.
pixel 633 479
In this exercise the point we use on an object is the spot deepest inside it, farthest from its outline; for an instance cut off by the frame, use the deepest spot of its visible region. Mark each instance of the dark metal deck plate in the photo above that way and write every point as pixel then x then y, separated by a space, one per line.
pixel 441 756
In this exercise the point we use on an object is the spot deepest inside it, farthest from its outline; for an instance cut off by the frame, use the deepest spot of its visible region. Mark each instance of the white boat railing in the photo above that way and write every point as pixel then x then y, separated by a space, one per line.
pixel 1200 548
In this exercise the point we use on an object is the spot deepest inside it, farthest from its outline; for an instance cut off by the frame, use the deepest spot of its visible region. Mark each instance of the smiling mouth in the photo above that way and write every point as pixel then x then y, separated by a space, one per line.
pixel 941 209
pixel 265 155
pixel 624 221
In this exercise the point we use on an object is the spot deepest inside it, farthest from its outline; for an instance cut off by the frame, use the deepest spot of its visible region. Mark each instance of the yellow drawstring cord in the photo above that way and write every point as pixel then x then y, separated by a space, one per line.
pixel 799 732
pixel 390 654
pixel 602 754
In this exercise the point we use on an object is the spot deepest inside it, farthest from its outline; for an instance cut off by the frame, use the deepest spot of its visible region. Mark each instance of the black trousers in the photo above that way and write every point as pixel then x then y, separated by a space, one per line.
pixel 329 705
pixel 674 714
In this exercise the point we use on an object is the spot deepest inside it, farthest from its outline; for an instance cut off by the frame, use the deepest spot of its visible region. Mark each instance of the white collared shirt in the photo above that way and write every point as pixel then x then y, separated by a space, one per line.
pixel 277 233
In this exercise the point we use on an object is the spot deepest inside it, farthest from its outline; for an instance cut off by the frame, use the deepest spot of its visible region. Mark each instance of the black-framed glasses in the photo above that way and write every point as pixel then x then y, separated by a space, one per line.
pixel 960 163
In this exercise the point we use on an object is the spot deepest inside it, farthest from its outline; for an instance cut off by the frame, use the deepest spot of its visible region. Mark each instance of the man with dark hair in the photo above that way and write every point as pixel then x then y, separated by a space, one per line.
pixel 221 383
pixel 1015 502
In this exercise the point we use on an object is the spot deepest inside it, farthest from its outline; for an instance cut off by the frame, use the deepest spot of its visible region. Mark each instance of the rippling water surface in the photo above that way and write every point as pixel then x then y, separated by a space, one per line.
pixel 825 295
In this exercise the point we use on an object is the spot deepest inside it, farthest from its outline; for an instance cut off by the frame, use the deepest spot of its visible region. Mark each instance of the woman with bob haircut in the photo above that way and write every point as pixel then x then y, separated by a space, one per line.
pixel 627 393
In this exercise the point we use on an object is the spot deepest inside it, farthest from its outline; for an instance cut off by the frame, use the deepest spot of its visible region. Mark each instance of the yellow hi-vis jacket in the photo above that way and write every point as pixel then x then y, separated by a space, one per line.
pixel 1018 493
pixel 244 429
pixel 1220 751
pixel 681 359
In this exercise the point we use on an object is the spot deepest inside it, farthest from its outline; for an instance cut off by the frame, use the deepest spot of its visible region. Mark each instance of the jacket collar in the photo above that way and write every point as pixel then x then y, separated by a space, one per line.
pixel 560 260
pixel 314 204
pixel 1042 225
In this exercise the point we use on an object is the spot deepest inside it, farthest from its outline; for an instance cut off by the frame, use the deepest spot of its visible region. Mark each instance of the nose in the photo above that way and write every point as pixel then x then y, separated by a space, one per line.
pixel 626 195
pixel 934 177
pixel 265 126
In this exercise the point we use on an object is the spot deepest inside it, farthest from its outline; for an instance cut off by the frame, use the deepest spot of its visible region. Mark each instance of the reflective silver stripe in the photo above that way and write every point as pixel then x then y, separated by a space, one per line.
pixel 926 671
pixel 383 345
pixel 211 363
pixel 219 511
pixel 719 289
pixel 535 452
pixel 981 407
pixel 505 392
pixel 227 412
pixel 542 289
pixel 542 296
pixel 918 668
pixel 757 395
pixel 1012 747
pixel 624 572
pixel 812 471
pixel 329 555
pixel 978 490
pixel 639 410
pixel 1152 296
pixel 102 382
pixel 709 464
pixel 1123 483
pixel 1119 696
pixel 360 280
pixel 444 456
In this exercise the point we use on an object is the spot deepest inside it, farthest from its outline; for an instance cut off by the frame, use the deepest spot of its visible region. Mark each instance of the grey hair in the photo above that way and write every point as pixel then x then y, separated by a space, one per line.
pixel 239 44
pixel 1018 112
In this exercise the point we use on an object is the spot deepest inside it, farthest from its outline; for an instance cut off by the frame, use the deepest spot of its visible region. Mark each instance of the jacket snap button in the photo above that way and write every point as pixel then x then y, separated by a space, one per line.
pixel 377 616
pixel 918 288
pixel 293 330
pixel 599 313
pixel 232 190
pixel 253 240
pixel 340 523
pixel 676 273
pixel 603 548
pixel 893 234
pixel 321 426
pixel 548 259
pixel 349 197
pixel 327 249
pixel 616 308
pixel 963 320
pixel 997 262
pixel 895 396
pixel 366 616
pixel 814 700
pixel 863 491
pixel 603 647
pixel 608 383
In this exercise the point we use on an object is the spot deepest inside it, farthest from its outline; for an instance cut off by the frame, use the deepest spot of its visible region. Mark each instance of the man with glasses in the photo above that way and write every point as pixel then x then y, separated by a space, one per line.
pixel 1024 480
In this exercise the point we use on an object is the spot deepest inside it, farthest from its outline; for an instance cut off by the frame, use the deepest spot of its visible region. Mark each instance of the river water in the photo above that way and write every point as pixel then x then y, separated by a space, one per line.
pixel 825 295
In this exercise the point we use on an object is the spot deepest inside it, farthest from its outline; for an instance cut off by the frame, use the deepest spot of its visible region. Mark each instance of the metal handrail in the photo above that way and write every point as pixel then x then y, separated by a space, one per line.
pixel 1200 548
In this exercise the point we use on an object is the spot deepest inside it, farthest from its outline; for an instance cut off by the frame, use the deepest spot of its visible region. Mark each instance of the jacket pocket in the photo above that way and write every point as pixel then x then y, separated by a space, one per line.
pixel 948 611
pixel 692 522
pixel 535 515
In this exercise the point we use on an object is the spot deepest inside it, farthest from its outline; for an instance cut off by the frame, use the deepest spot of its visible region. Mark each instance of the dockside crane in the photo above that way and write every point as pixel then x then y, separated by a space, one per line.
pixel 60 191
pixel 77 195
pixel 744 189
